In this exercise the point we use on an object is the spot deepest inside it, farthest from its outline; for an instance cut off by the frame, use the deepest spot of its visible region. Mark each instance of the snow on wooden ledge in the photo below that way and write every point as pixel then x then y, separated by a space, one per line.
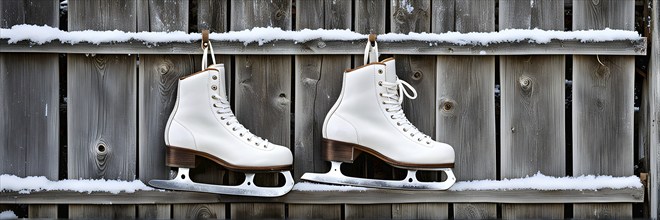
pixel 275 41
pixel 26 185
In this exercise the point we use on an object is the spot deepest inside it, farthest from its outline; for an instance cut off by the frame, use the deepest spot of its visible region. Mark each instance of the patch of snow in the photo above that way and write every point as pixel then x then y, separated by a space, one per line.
pixel 482 52
pixel 316 187
pixel 546 183
pixel 269 34
pixel 8 215
pixel 40 183
pixel 408 6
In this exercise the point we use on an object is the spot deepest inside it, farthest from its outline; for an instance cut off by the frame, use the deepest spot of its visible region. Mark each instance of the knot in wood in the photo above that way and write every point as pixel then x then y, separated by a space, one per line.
pixel 101 150
pixel 417 75
pixel 526 83
pixel 447 105
pixel 165 67
pixel 600 104
pixel 595 2
pixel 320 44
pixel 602 71
pixel 203 212
pixel 279 14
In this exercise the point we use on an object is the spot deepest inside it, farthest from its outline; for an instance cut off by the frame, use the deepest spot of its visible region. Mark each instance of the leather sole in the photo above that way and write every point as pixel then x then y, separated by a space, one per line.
pixel 185 158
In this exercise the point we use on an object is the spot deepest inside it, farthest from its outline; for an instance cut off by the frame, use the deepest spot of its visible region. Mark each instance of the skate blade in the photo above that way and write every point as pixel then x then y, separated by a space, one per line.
pixel 247 188
pixel 409 183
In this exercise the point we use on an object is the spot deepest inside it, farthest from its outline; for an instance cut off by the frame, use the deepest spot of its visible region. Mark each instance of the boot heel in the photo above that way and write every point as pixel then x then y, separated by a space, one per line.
pixel 339 151
pixel 177 157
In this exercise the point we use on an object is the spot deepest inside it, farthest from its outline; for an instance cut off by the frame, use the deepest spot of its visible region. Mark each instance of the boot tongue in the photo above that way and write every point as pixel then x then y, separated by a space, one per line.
pixel 220 83
pixel 390 70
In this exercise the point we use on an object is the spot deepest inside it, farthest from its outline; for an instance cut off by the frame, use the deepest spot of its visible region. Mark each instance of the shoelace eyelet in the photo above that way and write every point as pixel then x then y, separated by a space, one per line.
pixel 214 97
pixel 406 130
pixel 428 142
pixel 214 87
pixel 380 71
pixel 214 77
pixel 380 83
pixel 234 129
pixel 412 135
pixel 227 123
pixel 419 139
pixel 392 116
pixel 221 118
pixel 241 134
pixel 265 146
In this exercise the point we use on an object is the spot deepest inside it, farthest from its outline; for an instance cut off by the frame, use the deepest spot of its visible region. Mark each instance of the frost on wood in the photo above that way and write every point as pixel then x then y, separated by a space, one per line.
pixel 8 215
pixel 40 183
pixel 262 35
pixel 546 183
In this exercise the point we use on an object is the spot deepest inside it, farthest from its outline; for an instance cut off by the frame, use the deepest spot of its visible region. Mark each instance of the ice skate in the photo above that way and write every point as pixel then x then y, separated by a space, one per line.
pixel 368 118
pixel 203 125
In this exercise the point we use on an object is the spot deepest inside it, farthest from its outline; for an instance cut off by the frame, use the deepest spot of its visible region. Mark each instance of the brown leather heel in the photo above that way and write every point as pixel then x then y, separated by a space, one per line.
pixel 339 151
pixel 177 157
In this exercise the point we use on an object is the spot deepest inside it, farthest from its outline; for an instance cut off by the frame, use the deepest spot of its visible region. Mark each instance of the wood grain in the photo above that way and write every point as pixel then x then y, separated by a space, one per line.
pixel 603 104
pixel 475 211
pixel 212 14
pixel 314 211
pixel 257 210
pixel 29 97
pixel 654 117
pixel 154 211
pixel 199 211
pixel 101 211
pixel 533 130
pixel 369 16
pixel 464 101
pixel 42 211
pixel 420 211
pixel 371 211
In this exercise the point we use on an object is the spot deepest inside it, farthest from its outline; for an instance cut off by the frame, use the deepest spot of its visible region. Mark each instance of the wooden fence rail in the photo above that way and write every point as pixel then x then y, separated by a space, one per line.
pixel 116 98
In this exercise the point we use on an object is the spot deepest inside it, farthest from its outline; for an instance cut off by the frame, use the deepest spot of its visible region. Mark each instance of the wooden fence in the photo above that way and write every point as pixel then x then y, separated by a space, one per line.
pixel 117 98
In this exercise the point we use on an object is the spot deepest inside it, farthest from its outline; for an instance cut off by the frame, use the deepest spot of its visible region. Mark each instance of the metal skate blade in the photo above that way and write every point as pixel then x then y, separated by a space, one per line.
pixel 247 188
pixel 409 183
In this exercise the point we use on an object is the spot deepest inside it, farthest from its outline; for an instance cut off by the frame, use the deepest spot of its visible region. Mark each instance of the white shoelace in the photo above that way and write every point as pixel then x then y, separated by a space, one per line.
pixel 394 95
pixel 224 110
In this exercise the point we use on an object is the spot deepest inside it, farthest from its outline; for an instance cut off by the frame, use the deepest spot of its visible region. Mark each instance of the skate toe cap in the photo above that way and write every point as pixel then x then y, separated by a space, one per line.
pixel 281 156
pixel 444 152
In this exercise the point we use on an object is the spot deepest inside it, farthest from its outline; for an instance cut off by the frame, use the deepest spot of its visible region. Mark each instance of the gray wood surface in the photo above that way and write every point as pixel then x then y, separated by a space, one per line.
pixel 475 211
pixel 603 104
pixel 375 196
pixel 199 211
pixel 532 121
pixel 42 211
pixel 318 47
pixel 29 97
pixel 369 16
pixel 314 211
pixel 101 211
pixel 263 93
pixel 212 15
pixel 157 84
pixel 464 102
pixel 654 116
pixel 370 211
pixel 420 211
pixel 154 211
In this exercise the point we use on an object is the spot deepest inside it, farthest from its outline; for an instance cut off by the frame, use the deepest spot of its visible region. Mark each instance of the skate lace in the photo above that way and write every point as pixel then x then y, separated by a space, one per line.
pixel 393 98
pixel 227 115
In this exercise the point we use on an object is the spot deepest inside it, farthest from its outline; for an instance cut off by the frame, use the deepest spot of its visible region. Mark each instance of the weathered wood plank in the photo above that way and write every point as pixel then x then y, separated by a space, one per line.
pixel 42 211
pixel 199 211
pixel 157 84
pixel 375 196
pixel 313 211
pixel 532 120
pixel 154 211
pixel 101 211
pixel 465 119
pixel 257 210
pixel 370 211
pixel 317 47
pixel 654 116
pixel 212 15
pixel 369 16
pixel 475 211
pixel 603 104
pixel 420 211
pixel 263 91
pixel 29 97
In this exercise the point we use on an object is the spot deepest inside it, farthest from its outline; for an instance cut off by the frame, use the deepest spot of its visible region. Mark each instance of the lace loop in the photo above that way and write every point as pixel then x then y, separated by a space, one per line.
pixel 394 95
pixel 225 112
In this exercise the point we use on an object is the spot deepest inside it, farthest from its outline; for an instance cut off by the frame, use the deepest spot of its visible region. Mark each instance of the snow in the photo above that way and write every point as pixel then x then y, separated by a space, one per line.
pixel 265 35
pixel 316 187
pixel 40 183
pixel 8 215
pixel 546 183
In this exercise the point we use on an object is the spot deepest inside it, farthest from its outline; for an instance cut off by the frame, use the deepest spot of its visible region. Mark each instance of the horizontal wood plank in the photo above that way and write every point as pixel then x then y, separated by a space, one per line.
pixel 317 47
pixel 373 196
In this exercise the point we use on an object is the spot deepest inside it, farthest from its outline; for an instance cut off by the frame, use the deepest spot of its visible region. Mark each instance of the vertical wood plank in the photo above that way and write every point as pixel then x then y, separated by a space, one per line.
pixel 420 211
pixel 263 90
pixel 29 97
pixel 102 108
pixel 465 119
pixel 159 211
pixel 42 211
pixel 603 104
pixel 532 124
pixel 199 211
pixel 101 211
pixel 212 14
pixel 369 19
pixel 654 115
pixel 157 83
pixel 375 211
pixel 313 211
pixel 257 210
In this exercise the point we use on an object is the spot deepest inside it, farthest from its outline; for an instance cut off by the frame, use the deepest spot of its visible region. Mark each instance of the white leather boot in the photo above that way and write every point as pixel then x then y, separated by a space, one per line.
pixel 203 125
pixel 368 117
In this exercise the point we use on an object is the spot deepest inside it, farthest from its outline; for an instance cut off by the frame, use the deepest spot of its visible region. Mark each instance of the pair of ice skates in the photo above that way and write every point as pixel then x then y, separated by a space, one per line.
pixel 367 117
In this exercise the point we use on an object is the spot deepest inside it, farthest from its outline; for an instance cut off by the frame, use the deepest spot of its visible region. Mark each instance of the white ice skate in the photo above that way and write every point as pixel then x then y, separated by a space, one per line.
pixel 368 118
pixel 203 125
